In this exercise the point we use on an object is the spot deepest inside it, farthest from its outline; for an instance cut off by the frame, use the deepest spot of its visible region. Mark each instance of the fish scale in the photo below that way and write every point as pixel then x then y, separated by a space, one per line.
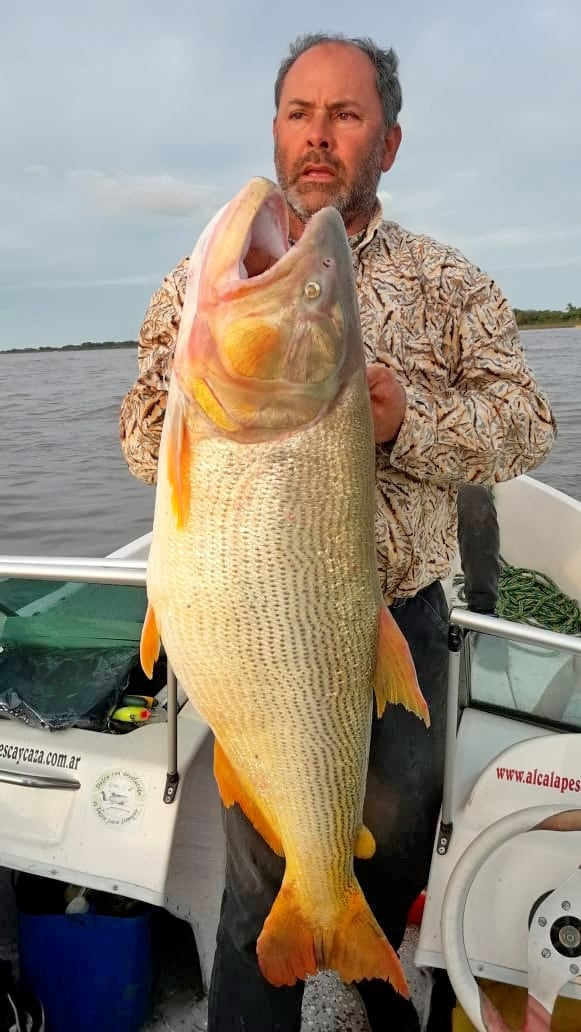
pixel 284 659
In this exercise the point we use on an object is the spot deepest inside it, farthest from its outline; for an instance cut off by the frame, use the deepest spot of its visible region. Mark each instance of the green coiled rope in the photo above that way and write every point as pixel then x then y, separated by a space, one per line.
pixel 529 596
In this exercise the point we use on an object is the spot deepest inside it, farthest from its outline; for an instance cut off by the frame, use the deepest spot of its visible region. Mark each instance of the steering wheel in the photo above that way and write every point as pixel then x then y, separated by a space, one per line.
pixel 554 937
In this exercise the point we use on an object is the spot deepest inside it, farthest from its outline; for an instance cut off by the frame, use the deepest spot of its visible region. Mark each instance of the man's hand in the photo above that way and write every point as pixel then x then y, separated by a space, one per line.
pixel 388 402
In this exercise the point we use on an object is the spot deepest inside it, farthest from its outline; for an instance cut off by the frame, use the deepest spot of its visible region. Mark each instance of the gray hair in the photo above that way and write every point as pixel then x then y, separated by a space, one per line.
pixel 385 63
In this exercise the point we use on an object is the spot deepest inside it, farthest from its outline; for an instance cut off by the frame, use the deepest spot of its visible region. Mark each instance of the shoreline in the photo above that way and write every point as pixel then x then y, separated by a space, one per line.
pixel 125 345
pixel 549 326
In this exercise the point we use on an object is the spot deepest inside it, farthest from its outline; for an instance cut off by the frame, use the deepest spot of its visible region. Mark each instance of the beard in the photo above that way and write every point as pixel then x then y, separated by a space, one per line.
pixel 350 199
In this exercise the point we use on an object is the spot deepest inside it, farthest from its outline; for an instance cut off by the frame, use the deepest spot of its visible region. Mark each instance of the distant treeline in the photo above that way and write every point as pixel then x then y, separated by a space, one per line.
pixel 545 317
pixel 87 345
pixel 525 317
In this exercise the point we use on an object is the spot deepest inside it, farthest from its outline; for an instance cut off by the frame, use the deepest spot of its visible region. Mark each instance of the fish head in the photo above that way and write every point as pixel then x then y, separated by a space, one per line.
pixel 270 332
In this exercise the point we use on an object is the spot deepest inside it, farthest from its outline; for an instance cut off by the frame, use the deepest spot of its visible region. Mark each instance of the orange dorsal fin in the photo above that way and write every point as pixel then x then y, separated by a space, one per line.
pixel 295 942
pixel 150 643
pixel 364 847
pixel 395 679
pixel 233 789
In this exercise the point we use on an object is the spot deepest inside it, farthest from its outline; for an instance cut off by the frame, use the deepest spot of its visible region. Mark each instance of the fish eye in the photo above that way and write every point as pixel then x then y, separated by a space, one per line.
pixel 312 290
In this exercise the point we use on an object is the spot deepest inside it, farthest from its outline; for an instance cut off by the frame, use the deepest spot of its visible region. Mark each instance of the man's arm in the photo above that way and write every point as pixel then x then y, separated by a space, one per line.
pixel 143 407
pixel 494 422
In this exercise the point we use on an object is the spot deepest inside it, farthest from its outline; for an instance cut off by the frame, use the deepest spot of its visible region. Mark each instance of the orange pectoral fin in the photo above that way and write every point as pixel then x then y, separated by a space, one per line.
pixel 178 456
pixel 210 405
pixel 233 790
pixel 150 643
pixel 395 679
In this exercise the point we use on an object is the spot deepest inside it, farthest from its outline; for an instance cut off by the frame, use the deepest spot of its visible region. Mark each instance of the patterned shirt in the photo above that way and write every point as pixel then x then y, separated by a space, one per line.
pixel 474 411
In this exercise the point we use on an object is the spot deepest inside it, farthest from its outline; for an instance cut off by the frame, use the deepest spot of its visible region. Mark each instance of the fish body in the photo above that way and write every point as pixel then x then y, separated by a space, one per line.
pixel 262 579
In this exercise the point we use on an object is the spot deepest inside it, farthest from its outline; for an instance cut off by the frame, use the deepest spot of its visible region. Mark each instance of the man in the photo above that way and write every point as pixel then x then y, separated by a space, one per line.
pixel 453 401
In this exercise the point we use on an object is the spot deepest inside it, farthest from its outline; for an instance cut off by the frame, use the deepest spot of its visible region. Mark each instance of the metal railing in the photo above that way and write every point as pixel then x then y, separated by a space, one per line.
pixel 464 620
pixel 520 632
pixel 132 572
pixel 89 571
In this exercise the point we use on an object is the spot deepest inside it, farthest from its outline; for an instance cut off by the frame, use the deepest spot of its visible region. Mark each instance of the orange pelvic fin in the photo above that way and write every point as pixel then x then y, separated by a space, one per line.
pixel 150 643
pixel 364 847
pixel 233 790
pixel 292 945
pixel 395 679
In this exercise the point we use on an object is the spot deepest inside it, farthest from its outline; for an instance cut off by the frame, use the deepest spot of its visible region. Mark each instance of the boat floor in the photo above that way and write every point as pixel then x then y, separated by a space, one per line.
pixel 328 1005
pixel 178 1003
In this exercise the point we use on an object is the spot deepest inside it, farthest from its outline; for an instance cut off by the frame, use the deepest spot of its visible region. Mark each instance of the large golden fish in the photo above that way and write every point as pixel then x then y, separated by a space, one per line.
pixel 262 579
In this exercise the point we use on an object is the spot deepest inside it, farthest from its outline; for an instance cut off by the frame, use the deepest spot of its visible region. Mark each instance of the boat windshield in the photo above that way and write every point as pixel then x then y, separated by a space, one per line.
pixel 537 682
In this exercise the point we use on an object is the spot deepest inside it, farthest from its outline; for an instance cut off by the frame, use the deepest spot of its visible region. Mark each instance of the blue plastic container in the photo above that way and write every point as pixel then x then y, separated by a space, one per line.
pixel 91 972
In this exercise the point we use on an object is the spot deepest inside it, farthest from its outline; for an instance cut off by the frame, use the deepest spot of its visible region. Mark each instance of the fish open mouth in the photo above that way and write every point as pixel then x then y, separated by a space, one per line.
pixel 267 238
pixel 266 242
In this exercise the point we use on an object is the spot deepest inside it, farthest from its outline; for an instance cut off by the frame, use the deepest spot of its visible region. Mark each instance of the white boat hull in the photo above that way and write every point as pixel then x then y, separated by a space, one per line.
pixel 116 834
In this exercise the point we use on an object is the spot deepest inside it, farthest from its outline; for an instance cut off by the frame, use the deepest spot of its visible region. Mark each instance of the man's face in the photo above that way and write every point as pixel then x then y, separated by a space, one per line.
pixel 331 145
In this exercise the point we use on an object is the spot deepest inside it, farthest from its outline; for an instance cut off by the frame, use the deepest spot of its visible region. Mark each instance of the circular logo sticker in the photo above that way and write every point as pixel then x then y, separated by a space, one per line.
pixel 118 797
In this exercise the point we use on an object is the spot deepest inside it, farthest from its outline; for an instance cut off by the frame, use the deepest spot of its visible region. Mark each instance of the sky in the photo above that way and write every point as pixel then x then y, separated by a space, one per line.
pixel 125 124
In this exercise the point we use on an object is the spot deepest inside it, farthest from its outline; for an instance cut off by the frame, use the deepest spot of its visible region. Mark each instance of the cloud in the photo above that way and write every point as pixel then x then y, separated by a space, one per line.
pixel 160 120
pixel 36 170
pixel 508 237
pixel 465 174
pixel 411 202
pixel 119 193
pixel 527 265
pixel 385 198
pixel 145 280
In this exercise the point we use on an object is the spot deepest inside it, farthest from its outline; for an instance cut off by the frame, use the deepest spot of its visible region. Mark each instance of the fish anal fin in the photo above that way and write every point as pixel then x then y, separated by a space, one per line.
pixel 233 790
pixel 395 679
pixel 364 847
pixel 293 945
pixel 150 643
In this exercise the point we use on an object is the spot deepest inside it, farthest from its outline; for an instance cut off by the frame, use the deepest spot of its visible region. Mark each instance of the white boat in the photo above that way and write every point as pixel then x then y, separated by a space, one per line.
pixel 502 905
pixel 138 815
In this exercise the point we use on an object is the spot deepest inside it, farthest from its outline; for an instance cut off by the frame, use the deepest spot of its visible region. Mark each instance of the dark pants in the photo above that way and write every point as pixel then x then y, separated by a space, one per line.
pixel 404 790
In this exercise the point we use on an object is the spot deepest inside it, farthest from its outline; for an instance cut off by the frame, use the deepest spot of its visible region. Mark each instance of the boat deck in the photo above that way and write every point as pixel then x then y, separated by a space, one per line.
pixel 178 1003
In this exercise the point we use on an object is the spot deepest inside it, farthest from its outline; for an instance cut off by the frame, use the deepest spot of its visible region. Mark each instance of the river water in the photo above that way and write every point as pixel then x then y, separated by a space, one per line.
pixel 65 488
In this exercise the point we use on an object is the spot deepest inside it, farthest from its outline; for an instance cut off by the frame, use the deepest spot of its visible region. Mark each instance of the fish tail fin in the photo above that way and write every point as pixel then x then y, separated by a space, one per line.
pixel 294 944
pixel 286 946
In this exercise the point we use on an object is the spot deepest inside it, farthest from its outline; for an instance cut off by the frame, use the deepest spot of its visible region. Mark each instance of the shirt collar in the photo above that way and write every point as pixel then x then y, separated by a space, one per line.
pixel 359 240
